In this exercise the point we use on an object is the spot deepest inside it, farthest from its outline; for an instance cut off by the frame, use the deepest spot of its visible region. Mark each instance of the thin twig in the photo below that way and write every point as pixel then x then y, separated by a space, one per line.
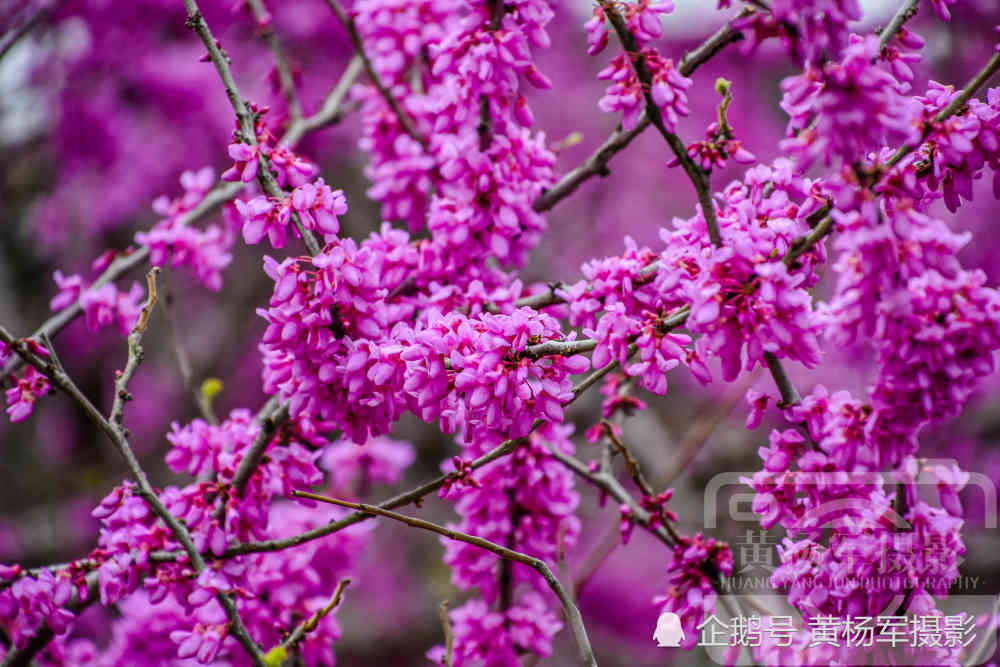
pixel 804 244
pixel 281 64
pixel 332 109
pixel 247 132
pixel 308 625
pixel 449 633
pixel 270 418
pixel 597 163
pixel 570 610
pixel 611 486
pixel 113 427
pixel 906 11
pixel 485 127
pixel 359 48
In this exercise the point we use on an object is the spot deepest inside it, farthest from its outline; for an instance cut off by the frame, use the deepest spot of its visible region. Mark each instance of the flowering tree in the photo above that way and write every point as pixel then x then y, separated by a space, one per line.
pixel 839 248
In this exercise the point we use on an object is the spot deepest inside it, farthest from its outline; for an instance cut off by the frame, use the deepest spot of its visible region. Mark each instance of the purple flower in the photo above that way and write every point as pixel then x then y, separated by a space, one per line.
pixel 844 109
pixel 27 389
pixel 318 207
pixel 247 163
pixel 668 89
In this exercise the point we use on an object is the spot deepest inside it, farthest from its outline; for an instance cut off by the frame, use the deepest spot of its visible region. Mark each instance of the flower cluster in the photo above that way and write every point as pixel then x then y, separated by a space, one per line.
pixel 668 89
pixel 27 389
pixel 102 304
pixel 322 351
pixel 697 564
pixel 526 502
pixel 289 169
pixel 845 108
pixel 341 347
pixel 812 30
pixel 478 377
pixel 473 184
pixel 316 205
pixel 743 294
pixel 956 150
pixel 31 600
pixel 717 147
pixel 667 86
pixel 204 252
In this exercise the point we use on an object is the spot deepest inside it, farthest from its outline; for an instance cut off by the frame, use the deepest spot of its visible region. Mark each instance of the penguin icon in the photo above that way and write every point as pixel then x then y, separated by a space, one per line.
pixel 668 630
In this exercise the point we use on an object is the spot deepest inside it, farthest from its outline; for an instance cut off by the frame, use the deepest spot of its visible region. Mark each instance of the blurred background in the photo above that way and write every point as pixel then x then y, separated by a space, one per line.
pixel 103 104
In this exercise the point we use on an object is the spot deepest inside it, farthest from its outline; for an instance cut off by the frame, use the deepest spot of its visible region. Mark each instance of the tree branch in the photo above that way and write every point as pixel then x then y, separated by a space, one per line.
pixel 281 64
pixel 597 163
pixel 359 48
pixel 570 610
pixel 697 175
pixel 331 112
pixel 114 428
pixel 907 10
pixel 245 120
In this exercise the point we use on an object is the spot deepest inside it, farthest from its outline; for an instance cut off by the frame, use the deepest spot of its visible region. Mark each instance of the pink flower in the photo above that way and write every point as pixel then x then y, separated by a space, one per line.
pixel 26 391
pixel 247 163
pixel 318 207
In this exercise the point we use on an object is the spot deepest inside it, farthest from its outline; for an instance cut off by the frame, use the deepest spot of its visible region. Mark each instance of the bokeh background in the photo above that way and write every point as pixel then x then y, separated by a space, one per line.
pixel 103 104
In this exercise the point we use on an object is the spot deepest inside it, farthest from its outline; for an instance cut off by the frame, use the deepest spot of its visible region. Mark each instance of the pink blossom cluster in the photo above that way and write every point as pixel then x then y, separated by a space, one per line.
pixel 697 563
pixel 102 304
pixel 340 347
pixel 627 94
pixel 27 389
pixel 622 290
pixel 847 107
pixel 716 148
pixel 527 502
pixel 473 183
pixel 288 168
pixel 811 30
pixel 742 294
pixel 403 173
pixel 958 149
pixel 315 204
pixel 172 241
